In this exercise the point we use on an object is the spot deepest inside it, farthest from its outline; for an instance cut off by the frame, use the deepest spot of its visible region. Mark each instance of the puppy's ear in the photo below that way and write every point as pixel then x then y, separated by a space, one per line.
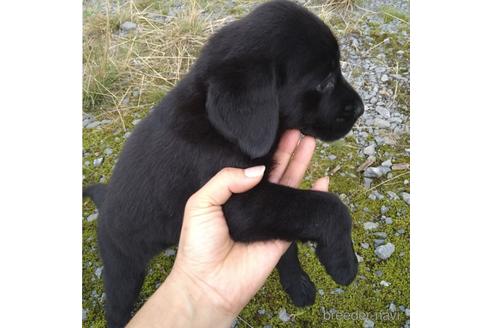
pixel 242 105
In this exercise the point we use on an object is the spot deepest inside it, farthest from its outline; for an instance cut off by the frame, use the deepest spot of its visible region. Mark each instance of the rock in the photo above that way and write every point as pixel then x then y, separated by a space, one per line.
pixel 401 166
pixel 384 112
pixel 370 225
pixel 392 195
pixel 384 209
pixel 321 292
pixel 108 151
pixel 384 78
pixel 170 252
pixel 375 195
pixel 388 220
pixel 392 307
pixel 406 197
pixel 384 283
pixel 407 312
pixel 376 172
pixel 106 122
pixel 364 245
pixel 368 323
pixel 261 312
pixel 98 272
pixel 337 291
pixel 127 135
pixel 387 163
pixel 332 157
pixel 283 315
pixel 128 26
pixel 378 273
pixel 93 125
pixel 370 150
pixel 367 183
pixel 92 217
pixel 84 314
pixel 135 122
pixel 382 124
pixel 385 251
pixel 378 242
pixel 360 259
pixel 98 161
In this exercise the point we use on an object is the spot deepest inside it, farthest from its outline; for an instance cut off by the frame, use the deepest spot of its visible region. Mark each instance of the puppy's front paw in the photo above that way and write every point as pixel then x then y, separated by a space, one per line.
pixel 335 250
pixel 302 291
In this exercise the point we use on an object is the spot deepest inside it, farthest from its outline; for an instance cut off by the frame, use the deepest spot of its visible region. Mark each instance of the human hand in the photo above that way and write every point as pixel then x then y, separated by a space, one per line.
pixel 216 275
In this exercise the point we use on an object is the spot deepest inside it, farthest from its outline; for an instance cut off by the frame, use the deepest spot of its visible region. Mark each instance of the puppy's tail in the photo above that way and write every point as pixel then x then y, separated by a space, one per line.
pixel 97 192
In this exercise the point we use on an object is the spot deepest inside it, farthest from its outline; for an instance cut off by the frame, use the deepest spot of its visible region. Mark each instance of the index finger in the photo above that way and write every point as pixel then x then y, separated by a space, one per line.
pixel 283 154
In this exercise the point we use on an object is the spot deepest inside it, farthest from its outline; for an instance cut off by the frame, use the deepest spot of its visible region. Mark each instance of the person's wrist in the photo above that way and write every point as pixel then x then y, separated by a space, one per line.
pixel 199 303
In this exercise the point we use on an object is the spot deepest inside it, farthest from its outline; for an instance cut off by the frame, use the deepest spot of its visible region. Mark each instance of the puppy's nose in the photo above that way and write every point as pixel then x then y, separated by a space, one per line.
pixel 356 109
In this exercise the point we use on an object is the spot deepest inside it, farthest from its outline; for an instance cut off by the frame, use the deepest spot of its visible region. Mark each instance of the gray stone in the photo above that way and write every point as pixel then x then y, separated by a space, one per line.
pixel 384 209
pixel 385 251
pixel 127 135
pixel 283 315
pixel 407 312
pixel 337 291
pixel 98 272
pixel 384 112
pixel 384 283
pixel 135 122
pixel 92 217
pixel 376 172
pixel 378 273
pixel 332 157
pixel 364 245
pixel 370 225
pixel 170 252
pixel 360 259
pixel 382 124
pixel 93 125
pixel 375 195
pixel 108 151
pixel 105 122
pixel 367 183
pixel 368 323
pixel 388 220
pixel 321 292
pixel 378 242
pixel 387 163
pixel 392 307
pixel 392 195
pixel 370 150
pixel 84 314
pixel 406 197
pixel 128 26
pixel 261 311
pixel 384 78
pixel 98 161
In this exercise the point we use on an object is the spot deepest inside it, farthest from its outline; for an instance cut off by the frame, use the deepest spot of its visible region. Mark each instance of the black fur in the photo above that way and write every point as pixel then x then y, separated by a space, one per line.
pixel 275 69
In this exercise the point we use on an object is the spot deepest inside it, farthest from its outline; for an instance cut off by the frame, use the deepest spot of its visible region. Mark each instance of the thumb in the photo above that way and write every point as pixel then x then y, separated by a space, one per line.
pixel 228 181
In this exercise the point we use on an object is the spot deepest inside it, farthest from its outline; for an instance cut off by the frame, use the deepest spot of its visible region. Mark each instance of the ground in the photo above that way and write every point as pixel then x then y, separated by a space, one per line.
pixel 135 51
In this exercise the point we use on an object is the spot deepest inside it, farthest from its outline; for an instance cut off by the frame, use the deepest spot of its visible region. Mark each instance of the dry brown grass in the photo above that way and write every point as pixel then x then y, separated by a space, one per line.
pixel 131 71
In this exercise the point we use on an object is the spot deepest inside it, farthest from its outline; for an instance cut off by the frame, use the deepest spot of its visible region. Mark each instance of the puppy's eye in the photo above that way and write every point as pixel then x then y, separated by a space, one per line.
pixel 327 84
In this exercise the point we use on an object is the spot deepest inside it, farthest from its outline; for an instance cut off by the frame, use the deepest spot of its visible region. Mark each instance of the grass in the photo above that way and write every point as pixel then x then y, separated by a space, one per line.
pixel 125 74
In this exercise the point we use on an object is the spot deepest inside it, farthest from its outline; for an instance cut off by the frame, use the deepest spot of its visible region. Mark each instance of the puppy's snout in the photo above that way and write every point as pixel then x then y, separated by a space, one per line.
pixel 355 109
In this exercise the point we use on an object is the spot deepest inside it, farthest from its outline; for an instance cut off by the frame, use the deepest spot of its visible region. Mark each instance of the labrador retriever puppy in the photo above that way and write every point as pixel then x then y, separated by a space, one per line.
pixel 275 69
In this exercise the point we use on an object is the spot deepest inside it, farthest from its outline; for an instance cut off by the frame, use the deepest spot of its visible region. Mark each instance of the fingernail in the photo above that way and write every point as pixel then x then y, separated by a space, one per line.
pixel 255 171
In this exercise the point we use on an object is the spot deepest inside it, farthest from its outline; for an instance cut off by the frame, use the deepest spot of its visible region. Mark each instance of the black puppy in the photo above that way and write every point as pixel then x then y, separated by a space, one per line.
pixel 275 69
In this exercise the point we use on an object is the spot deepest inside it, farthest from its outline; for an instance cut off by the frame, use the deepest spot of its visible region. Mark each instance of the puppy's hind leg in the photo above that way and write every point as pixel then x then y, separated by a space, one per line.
pixel 294 280
pixel 123 276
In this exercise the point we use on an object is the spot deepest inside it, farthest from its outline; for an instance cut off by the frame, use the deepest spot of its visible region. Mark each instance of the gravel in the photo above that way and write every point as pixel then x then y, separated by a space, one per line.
pixel 370 225
pixel 406 197
pixel 98 161
pixel 170 252
pixel 385 251
pixel 93 217
pixel 128 26
pixel 368 323
pixel 98 272
pixel 283 315
pixel 392 307
pixel 370 150
pixel 376 172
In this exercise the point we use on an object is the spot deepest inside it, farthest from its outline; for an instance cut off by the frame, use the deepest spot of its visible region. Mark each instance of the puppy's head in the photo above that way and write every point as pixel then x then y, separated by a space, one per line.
pixel 277 68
